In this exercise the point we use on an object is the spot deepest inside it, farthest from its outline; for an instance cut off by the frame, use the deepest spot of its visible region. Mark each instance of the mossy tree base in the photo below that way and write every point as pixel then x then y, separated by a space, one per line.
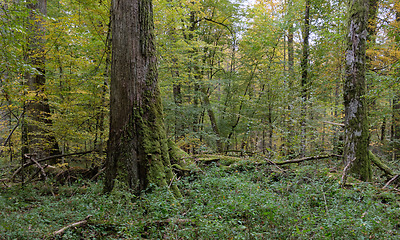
pixel 137 143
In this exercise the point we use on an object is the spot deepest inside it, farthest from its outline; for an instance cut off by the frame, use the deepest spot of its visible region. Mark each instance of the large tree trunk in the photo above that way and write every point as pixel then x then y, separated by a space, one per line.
pixel 396 107
pixel 356 124
pixel 37 138
pixel 137 142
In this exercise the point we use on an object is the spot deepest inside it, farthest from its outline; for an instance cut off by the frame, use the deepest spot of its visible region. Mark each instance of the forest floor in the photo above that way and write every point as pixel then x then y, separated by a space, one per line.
pixel 247 201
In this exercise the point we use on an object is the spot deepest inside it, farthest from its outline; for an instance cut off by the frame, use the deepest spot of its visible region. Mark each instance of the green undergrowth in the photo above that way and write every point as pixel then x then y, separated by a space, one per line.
pixel 247 202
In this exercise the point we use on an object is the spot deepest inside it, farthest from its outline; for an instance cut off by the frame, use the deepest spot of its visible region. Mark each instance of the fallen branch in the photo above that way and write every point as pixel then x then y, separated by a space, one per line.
pixel 380 164
pixel 299 160
pixel 390 181
pixel 46 159
pixel 4 180
pixel 76 224
pixel 271 162
pixel 345 171
pixel 333 123
pixel 97 174
pixel 12 131
pixel 37 164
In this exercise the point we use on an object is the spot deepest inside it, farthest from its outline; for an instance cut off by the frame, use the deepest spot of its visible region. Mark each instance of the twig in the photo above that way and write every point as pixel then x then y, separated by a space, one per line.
pixel 4 180
pixel 274 164
pixel 345 170
pixel 12 131
pixel 390 181
pixel 171 181
pixel 326 204
pixel 97 174
pixel 76 224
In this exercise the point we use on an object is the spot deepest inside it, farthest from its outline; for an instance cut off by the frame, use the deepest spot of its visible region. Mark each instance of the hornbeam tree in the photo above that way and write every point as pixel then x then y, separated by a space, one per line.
pixel 356 124
pixel 137 142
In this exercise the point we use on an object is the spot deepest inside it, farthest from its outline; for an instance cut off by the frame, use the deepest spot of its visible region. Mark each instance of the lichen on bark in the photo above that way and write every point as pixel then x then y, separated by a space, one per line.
pixel 356 123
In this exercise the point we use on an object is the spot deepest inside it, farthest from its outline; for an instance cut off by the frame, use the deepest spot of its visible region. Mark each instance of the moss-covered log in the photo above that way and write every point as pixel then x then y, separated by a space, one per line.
pixel 382 166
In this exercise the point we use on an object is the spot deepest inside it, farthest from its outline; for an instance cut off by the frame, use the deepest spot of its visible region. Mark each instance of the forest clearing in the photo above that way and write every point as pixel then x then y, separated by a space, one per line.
pixel 199 119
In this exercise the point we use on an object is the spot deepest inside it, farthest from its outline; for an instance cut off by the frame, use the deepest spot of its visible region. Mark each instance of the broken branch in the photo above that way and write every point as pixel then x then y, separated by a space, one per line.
pixel 76 224
pixel 390 181
pixel 46 159
pixel 299 160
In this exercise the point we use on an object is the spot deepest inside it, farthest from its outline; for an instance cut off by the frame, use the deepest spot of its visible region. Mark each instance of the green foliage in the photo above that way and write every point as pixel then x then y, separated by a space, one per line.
pixel 251 202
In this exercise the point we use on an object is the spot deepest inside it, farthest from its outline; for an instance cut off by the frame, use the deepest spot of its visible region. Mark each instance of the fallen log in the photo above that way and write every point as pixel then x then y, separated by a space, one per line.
pixel 382 166
pixel 76 224
pixel 299 160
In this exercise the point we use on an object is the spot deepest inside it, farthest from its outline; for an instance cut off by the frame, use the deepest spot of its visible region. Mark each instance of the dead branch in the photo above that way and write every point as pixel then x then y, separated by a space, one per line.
pixel 271 162
pixel 12 131
pixel 97 174
pixel 345 171
pixel 46 159
pixel 299 160
pixel 333 123
pixel 390 181
pixel 76 224
pixel 37 164
pixel 4 180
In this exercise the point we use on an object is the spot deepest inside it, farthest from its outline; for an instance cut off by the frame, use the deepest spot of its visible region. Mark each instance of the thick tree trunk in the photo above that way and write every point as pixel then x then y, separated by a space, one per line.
pixel 37 139
pixel 396 108
pixel 137 142
pixel 356 124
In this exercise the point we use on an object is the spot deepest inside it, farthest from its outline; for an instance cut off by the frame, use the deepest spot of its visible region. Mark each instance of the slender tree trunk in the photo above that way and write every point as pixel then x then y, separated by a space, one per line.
pixel 290 45
pixel 290 131
pixel 396 127
pixel 37 139
pixel 137 141
pixel 304 77
pixel 356 125
pixel 213 119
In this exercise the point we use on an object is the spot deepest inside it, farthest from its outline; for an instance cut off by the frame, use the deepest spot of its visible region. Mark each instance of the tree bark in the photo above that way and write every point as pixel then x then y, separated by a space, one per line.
pixel 37 138
pixel 304 77
pixel 356 125
pixel 137 141
pixel 396 108
pixel 213 120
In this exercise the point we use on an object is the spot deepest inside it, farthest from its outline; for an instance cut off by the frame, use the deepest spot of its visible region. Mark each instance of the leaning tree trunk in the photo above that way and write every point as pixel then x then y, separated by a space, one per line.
pixel 37 138
pixel 137 141
pixel 356 124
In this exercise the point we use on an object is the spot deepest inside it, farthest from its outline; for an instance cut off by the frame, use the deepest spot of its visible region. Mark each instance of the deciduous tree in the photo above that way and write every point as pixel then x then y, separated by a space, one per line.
pixel 137 141
pixel 356 124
